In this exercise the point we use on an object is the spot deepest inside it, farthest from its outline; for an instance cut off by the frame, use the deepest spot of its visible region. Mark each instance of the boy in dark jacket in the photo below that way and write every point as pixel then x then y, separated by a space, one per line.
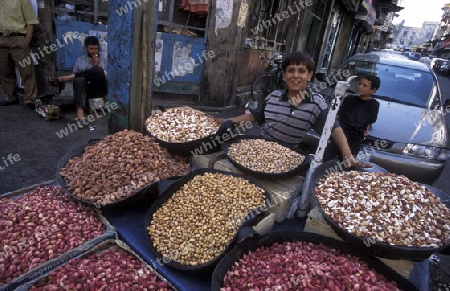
pixel 356 114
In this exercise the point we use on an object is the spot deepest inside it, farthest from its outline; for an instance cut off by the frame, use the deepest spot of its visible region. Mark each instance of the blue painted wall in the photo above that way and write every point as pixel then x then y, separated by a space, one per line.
pixel 174 45
pixel 120 40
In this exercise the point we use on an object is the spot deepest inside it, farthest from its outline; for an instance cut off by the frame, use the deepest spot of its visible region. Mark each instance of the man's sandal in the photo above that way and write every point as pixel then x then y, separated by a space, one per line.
pixel 53 81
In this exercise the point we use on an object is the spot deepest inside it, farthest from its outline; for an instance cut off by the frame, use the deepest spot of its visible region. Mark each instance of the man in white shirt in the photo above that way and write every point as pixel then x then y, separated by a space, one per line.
pixel 89 78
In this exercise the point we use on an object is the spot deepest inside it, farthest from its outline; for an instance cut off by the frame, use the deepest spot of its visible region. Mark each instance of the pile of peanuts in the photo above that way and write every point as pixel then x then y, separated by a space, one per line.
pixel 264 156
pixel 387 207
pixel 42 225
pixel 118 166
pixel 181 125
pixel 198 222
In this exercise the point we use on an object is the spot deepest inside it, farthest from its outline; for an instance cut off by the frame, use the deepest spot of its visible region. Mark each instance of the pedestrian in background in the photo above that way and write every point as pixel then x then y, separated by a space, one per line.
pixel 17 20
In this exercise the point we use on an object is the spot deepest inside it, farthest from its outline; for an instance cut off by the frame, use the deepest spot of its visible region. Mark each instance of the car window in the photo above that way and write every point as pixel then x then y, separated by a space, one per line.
pixel 397 83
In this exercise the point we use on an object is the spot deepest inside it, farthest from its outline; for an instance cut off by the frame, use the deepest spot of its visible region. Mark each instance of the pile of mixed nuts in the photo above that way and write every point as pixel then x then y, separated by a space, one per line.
pixel 387 207
pixel 118 166
pixel 181 125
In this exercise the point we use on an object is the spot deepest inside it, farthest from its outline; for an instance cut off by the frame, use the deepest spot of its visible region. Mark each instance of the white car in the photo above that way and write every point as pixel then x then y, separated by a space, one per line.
pixel 433 62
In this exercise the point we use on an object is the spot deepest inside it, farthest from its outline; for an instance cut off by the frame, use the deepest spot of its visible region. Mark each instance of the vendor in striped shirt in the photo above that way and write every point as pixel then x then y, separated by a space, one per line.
pixel 287 116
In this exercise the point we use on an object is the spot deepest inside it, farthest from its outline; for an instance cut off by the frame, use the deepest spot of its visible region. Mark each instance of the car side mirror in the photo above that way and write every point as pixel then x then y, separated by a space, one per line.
pixel 447 105
pixel 320 77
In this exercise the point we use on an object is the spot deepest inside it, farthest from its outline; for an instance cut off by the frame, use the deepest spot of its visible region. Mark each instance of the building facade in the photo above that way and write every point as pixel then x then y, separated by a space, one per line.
pixel 216 54
pixel 441 38
pixel 410 37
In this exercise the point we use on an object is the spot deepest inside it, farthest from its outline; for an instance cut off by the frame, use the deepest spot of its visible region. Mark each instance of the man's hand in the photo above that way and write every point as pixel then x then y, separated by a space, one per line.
pixel 28 39
pixel 29 33
pixel 94 59
pixel 219 120
pixel 356 164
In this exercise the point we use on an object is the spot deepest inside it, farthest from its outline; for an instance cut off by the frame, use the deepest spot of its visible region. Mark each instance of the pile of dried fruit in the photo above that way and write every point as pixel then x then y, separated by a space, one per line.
pixel 264 156
pixel 199 221
pixel 181 125
pixel 302 266
pixel 118 166
pixel 112 269
pixel 42 225
pixel 386 207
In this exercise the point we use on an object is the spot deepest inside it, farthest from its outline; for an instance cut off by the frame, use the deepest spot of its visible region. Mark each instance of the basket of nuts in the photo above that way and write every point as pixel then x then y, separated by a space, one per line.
pixel 263 158
pixel 185 131
pixel 383 213
pixel 289 260
pixel 198 218
pixel 120 170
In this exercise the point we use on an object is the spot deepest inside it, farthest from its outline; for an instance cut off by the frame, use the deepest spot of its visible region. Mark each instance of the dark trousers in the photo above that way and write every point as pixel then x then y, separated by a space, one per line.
pixel 15 50
pixel 89 83
pixel 333 150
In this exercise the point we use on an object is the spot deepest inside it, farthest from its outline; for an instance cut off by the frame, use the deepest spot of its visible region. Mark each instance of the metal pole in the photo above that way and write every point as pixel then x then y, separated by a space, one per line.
pixel 300 207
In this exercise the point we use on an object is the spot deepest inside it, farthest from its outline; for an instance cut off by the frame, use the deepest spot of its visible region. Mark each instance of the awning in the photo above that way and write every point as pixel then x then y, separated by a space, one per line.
pixel 197 7
pixel 367 14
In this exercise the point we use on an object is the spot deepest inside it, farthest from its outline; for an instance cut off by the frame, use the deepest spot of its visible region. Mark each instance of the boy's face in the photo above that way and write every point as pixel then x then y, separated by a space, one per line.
pixel 364 88
pixel 296 77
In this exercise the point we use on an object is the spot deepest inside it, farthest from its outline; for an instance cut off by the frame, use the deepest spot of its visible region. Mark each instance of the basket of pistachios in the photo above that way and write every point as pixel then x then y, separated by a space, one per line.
pixel 264 158
pixel 185 131
pixel 198 218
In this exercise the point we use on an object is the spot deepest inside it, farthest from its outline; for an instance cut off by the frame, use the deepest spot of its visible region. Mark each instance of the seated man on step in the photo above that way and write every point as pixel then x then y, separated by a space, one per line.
pixel 89 78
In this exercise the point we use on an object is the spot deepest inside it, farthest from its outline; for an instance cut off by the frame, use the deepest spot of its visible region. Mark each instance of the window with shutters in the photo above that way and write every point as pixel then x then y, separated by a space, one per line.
pixel 264 30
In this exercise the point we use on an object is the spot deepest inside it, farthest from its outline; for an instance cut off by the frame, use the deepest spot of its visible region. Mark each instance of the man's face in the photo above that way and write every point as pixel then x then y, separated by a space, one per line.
pixel 296 77
pixel 92 49
pixel 364 88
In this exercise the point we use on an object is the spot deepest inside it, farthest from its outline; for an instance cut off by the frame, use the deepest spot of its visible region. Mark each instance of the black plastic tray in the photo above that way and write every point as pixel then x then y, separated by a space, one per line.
pixel 264 175
pixel 136 198
pixel 257 241
pixel 252 218
pixel 380 249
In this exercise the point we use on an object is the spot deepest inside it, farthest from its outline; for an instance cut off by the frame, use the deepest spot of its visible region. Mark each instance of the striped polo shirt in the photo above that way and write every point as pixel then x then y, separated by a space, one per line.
pixel 286 123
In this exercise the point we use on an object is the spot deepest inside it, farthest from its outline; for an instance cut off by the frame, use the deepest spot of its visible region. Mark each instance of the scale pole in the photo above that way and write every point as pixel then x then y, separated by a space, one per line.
pixel 339 92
